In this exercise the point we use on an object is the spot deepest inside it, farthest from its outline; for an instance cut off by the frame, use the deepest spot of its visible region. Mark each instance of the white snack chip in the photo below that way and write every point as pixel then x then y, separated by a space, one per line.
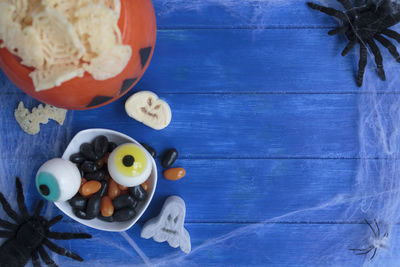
pixel 30 121
pixel 61 39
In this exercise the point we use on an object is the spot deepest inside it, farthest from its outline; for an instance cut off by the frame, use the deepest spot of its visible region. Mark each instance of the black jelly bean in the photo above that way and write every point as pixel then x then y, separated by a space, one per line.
pixel 169 158
pixel 104 188
pixel 106 219
pixel 93 206
pixel 100 144
pixel 81 172
pixel 82 215
pixel 111 146
pixel 97 175
pixel 89 166
pixel 124 214
pixel 87 150
pixel 138 192
pixel 123 201
pixel 78 202
pixel 149 149
pixel 77 158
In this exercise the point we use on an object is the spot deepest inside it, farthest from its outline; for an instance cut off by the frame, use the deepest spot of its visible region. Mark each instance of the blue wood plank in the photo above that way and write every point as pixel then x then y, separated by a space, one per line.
pixel 243 61
pixel 244 14
pixel 228 244
pixel 225 125
pixel 238 190
pixel 243 126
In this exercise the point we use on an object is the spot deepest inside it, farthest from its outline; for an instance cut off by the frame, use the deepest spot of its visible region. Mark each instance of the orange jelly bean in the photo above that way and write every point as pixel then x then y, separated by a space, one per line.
pixel 83 180
pixel 122 187
pixel 145 186
pixel 113 189
pixel 89 188
pixel 174 174
pixel 107 207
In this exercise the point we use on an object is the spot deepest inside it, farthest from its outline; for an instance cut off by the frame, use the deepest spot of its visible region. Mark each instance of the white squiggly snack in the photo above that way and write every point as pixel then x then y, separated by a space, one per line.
pixel 30 121
pixel 146 107
pixel 168 225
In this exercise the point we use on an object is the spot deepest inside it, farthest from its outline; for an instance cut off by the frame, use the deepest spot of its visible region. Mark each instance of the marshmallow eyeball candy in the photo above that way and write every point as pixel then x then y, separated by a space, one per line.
pixel 58 180
pixel 146 107
pixel 129 164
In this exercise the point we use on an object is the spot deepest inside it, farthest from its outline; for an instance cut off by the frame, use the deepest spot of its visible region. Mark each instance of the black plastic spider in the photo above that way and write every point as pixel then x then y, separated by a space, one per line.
pixel 27 237
pixel 363 23
pixel 376 242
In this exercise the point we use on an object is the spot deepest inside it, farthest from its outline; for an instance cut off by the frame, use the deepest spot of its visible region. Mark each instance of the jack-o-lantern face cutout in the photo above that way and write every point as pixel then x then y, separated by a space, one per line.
pixel 147 108
pixel 138 30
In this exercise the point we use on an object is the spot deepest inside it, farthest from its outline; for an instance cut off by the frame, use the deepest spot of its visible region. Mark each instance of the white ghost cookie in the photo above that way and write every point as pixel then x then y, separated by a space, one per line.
pixel 146 107
pixel 168 225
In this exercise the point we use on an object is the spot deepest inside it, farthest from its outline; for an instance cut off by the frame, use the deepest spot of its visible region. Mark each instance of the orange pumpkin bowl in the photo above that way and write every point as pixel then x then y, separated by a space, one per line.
pixel 137 23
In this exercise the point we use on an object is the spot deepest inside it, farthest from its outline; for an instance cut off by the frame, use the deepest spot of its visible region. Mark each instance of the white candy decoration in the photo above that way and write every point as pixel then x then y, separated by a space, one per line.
pixel 168 225
pixel 146 107
pixel 61 178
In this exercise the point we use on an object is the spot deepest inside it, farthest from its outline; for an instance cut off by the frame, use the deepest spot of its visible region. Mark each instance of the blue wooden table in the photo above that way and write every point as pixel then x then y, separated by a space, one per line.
pixel 265 119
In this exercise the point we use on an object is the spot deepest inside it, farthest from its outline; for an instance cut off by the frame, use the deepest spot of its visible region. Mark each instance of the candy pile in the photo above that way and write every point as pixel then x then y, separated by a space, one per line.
pixel 99 195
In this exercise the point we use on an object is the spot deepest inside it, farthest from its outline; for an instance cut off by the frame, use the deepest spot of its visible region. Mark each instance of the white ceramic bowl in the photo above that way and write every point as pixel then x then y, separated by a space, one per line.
pixel 118 138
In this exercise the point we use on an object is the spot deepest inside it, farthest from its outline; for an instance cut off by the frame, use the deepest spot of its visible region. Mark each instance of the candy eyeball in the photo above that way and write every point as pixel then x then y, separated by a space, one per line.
pixel 129 164
pixel 58 180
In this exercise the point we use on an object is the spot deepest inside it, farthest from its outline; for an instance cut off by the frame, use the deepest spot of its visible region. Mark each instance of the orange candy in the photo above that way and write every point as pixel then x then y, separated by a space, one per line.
pixel 83 180
pixel 107 207
pixel 122 187
pixel 89 188
pixel 174 174
pixel 113 189
pixel 145 186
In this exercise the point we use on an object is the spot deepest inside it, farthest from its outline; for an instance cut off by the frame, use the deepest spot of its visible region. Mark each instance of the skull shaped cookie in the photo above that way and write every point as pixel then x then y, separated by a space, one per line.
pixel 168 225
pixel 147 108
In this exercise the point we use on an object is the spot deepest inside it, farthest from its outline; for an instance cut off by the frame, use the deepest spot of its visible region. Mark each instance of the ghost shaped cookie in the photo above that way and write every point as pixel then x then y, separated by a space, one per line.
pixel 168 225
pixel 146 107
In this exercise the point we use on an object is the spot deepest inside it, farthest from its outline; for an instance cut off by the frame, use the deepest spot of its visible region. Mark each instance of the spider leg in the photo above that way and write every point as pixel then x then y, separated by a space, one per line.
pixel 377 227
pixel 338 30
pixel 39 208
pixel 7 208
pixel 8 225
pixel 364 253
pixel 370 226
pixel 348 47
pixel 392 34
pixel 54 221
pixel 6 234
pixel 329 11
pixel 361 249
pixel 61 251
pixel 373 255
pixel 346 4
pixel 386 234
pixel 378 59
pixel 67 236
pixel 35 259
pixel 21 199
pixel 361 66
pixel 388 44
pixel 46 258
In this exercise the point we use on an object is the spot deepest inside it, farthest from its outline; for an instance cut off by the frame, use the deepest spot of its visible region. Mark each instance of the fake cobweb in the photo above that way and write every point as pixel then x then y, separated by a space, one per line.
pixel 313 238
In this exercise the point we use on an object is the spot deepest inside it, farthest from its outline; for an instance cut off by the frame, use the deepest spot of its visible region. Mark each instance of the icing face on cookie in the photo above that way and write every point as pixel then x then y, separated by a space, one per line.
pixel 129 164
pixel 146 107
